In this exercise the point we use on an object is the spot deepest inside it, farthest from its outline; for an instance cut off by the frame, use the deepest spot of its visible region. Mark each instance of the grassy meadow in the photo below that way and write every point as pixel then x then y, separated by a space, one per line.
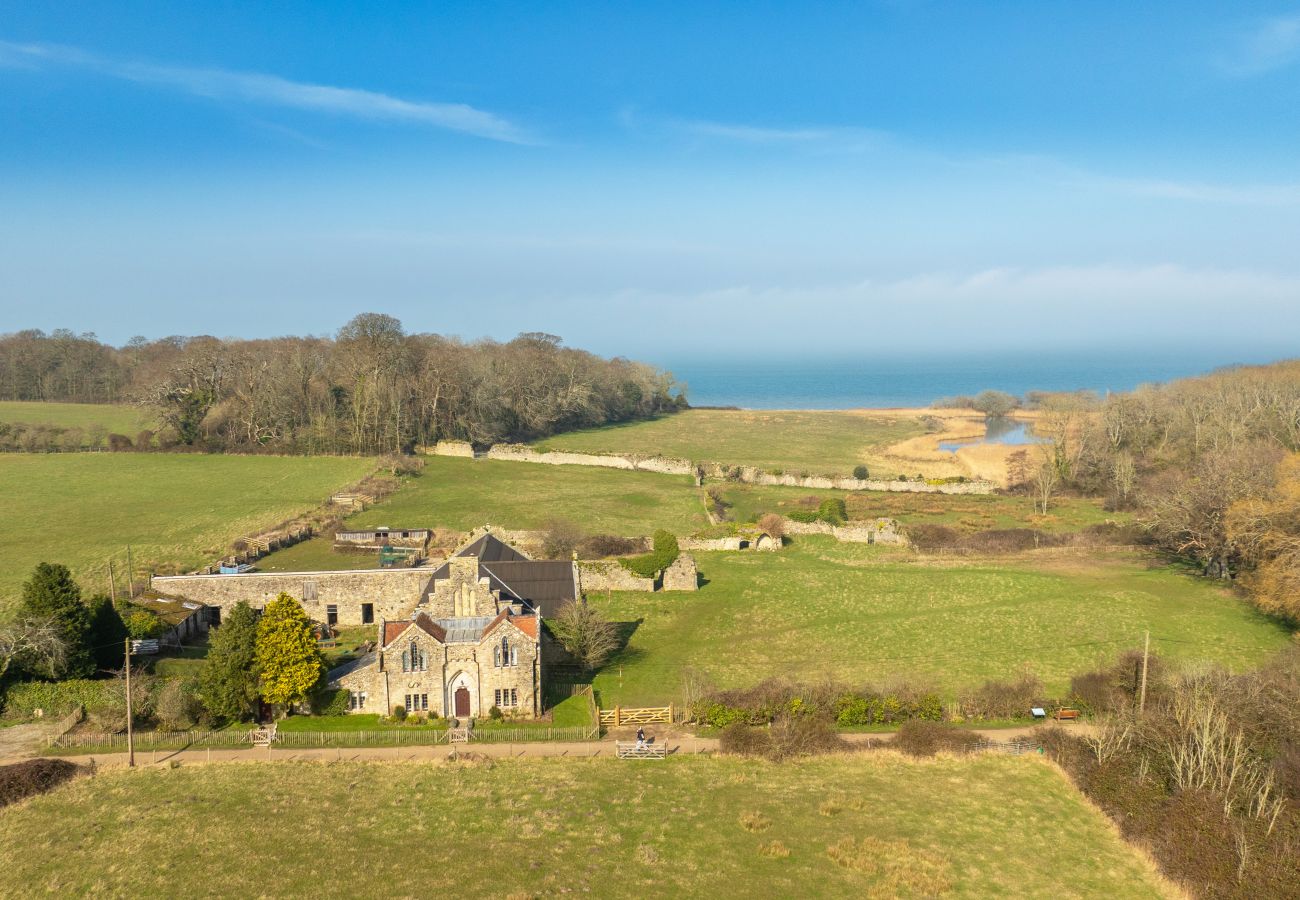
pixel 177 511
pixel 792 441
pixel 120 418
pixel 839 826
pixel 466 493
pixel 859 613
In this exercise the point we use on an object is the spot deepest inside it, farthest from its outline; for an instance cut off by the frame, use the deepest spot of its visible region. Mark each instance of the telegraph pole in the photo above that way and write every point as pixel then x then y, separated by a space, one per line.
pixel 130 733
pixel 112 583
pixel 1142 689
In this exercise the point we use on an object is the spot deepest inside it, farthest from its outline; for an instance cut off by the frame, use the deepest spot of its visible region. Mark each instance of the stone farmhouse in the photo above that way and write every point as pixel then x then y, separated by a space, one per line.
pixel 455 640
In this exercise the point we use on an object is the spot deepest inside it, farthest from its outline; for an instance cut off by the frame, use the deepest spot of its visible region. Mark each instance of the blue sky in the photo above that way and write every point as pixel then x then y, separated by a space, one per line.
pixel 658 180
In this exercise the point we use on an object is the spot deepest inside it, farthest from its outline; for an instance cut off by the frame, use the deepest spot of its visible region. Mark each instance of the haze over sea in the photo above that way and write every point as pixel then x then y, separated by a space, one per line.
pixel 874 380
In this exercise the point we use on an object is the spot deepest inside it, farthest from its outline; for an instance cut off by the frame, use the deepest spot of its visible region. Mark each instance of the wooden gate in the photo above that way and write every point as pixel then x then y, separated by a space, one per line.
pixel 645 715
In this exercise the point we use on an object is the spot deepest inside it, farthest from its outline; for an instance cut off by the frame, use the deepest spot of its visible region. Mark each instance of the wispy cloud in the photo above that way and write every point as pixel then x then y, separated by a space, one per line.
pixel 836 139
pixel 271 90
pixel 1269 45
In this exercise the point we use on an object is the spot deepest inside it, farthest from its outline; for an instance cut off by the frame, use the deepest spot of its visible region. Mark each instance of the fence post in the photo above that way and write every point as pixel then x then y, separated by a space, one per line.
pixel 618 715
pixel 670 714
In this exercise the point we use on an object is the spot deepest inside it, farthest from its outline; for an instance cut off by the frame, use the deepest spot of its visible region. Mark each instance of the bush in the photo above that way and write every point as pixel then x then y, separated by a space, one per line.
pixel 599 546
pixel 833 511
pixel 560 538
pixel 661 557
pixel 1004 699
pixel 861 473
pixel 495 714
pixel 787 737
pixel 119 443
pixel 331 702
pixel 928 536
pixel 57 698
pixel 176 707
pixel 773 526
pixel 32 777
pixel 803 515
pixel 142 624
pixel 399 712
pixel 919 738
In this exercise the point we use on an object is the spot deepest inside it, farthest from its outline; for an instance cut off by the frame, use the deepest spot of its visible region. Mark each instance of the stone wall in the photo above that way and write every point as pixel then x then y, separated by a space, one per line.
pixel 660 464
pixel 682 574
pixel 877 531
pixel 753 475
pixel 610 575
pixel 392 592
pixel 449 448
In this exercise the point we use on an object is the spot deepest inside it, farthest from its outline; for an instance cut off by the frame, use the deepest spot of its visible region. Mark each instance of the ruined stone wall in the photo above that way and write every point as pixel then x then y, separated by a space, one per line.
pixel 393 592
pixel 682 574
pixel 449 448
pixel 660 464
pixel 753 475
pixel 877 531
pixel 610 575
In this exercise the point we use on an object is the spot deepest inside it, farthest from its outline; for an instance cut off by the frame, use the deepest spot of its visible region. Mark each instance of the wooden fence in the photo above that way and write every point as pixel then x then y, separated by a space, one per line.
pixel 644 715
pixel 392 737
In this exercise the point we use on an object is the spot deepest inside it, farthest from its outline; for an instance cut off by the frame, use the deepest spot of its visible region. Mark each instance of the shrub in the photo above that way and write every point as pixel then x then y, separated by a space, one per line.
pixel 661 557
pixel 331 702
pixel 772 525
pixel 928 536
pixel 745 740
pixel 1004 699
pixel 142 624
pixel 598 546
pixel 560 538
pixel 119 443
pixel 833 511
pixel 919 738
pixel 56 698
pixel 399 712
pixel 861 472
pixel 32 777
pixel 176 706
pixel 803 515
pixel 495 714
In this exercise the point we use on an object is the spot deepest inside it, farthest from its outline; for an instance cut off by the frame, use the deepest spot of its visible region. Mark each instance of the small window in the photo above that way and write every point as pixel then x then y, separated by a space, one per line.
pixel 367 613
pixel 332 614
pixel 514 697
pixel 357 700
pixel 497 698
pixel 424 701
pixel 496 657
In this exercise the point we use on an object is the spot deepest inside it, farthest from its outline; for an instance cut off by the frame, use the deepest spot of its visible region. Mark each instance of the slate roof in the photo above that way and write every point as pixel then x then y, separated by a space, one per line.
pixel 351 666
pixel 541 583
pixel 465 630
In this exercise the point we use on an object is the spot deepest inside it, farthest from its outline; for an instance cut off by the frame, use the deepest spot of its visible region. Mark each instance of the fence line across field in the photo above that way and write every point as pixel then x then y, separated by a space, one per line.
pixel 376 738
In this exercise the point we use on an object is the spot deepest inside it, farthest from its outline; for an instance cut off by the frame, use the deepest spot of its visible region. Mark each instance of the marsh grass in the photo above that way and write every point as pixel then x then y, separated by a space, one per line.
pixel 980 827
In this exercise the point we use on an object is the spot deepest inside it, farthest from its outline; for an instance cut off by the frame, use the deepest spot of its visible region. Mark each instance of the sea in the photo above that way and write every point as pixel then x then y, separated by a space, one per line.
pixel 874 380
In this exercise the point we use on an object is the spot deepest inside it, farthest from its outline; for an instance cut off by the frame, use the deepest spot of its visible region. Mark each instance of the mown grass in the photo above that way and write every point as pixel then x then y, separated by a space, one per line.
pixel 965 512
pixel 866 614
pixel 793 441
pixel 176 511
pixel 119 418
pixel 467 493
pixel 695 826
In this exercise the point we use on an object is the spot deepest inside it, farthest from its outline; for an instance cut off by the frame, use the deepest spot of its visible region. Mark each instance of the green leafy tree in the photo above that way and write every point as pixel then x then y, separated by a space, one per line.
pixel 107 634
pixel 228 682
pixel 142 624
pixel 52 595
pixel 288 660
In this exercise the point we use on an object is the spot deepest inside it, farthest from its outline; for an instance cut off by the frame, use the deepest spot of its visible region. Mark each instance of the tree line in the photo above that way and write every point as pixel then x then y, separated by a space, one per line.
pixel 372 388
pixel 1210 465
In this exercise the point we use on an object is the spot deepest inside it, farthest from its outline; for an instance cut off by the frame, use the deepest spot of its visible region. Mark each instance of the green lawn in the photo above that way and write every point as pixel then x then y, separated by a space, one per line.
pixel 120 418
pixel 859 613
pixel 840 826
pixel 177 511
pixel 814 442
pixel 316 555
pixel 973 512
pixel 467 493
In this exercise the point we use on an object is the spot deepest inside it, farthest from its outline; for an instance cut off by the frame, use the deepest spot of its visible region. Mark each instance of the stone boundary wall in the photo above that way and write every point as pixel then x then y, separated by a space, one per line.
pixel 449 448
pixel 665 465
pixel 879 532
pixel 523 453
pixel 682 575
pixel 610 575
pixel 392 592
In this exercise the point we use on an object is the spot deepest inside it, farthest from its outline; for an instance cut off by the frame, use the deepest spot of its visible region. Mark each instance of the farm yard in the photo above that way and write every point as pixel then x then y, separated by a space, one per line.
pixel 176 511
pixel 854 825
pixel 869 614
pixel 791 441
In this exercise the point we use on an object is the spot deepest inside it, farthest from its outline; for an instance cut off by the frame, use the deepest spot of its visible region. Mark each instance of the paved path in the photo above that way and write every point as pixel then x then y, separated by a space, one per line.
pixel 677 744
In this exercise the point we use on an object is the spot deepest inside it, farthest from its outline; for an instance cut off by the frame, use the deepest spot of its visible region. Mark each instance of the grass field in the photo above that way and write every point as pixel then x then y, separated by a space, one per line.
pixel 176 511
pixel 965 512
pixel 840 826
pixel 120 418
pixel 814 442
pixel 467 493
pixel 861 613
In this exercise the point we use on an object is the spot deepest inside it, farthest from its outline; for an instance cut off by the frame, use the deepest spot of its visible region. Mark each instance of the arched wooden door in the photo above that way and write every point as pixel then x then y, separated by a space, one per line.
pixel 462 701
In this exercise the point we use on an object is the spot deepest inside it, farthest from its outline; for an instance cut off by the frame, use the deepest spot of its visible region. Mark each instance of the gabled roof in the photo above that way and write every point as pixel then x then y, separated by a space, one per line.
pixel 526 624
pixel 351 666
pixel 490 548
pixel 394 630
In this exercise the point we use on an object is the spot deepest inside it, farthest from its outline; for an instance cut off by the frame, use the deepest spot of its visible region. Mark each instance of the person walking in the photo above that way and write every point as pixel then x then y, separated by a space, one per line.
pixel 640 738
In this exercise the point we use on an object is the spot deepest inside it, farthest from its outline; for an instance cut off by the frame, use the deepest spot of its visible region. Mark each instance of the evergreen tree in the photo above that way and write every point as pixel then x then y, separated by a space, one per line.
pixel 228 682
pixel 52 595
pixel 288 660
pixel 107 633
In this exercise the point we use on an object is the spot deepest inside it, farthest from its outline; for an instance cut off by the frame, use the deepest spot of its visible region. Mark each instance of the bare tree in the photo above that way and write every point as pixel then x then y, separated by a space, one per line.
pixel 588 636
pixel 31 642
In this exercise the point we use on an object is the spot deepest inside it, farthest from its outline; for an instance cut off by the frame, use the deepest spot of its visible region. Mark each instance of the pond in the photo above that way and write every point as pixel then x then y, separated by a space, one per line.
pixel 997 430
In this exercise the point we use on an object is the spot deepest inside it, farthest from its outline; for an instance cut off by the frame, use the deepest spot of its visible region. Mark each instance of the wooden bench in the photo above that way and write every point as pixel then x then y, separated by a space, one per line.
pixel 630 750
pixel 1065 714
